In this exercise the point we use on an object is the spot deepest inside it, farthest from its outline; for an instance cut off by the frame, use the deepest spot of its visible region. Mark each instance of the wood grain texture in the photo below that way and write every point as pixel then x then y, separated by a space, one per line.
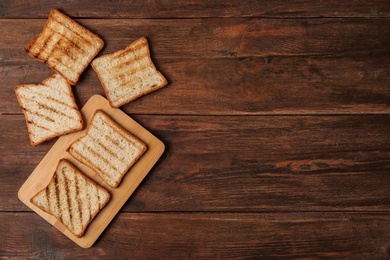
pixel 208 235
pixel 276 122
pixel 188 9
pixel 219 37
pixel 256 163
pixel 252 85
pixel 235 66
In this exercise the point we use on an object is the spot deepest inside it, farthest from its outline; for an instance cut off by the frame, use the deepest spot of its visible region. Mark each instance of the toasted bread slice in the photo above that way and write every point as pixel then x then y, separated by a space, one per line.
pixel 107 148
pixel 49 108
pixel 65 46
pixel 128 74
pixel 72 198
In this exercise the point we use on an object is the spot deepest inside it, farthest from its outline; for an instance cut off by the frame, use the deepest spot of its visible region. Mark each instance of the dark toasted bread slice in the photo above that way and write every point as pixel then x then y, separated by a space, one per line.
pixel 65 46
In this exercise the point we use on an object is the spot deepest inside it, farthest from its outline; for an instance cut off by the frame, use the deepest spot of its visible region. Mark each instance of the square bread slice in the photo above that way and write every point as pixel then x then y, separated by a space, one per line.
pixel 65 46
pixel 49 108
pixel 128 74
pixel 72 198
pixel 107 148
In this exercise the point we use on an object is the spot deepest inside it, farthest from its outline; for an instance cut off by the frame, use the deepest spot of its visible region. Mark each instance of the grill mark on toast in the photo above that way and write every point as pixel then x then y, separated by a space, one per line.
pixel 100 156
pixel 128 78
pixel 47 193
pixel 114 142
pixel 67 191
pixel 79 206
pixel 91 164
pixel 55 61
pixel 131 74
pixel 98 198
pixel 31 122
pixel 53 110
pixel 29 47
pixel 69 39
pixel 130 61
pixel 59 91
pixel 107 149
pixel 114 130
pixel 50 195
pixel 129 49
pixel 68 51
pixel 59 200
pixel 57 194
pixel 88 199
pixel 122 132
pixel 116 55
pixel 46 55
pixel 69 95
pixel 55 101
pixel 62 50
pixel 65 58
pixel 74 27
pixel 37 50
pixel 138 44
pixel 124 85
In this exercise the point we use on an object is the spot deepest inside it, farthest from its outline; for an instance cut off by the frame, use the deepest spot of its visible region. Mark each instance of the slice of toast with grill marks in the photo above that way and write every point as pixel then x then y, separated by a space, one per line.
pixel 128 74
pixel 65 46
pixel 49 108
pixel 107 148
pixel 72 198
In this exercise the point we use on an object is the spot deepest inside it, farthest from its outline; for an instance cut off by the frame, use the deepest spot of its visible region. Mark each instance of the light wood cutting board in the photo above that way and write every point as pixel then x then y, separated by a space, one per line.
pixel 43 173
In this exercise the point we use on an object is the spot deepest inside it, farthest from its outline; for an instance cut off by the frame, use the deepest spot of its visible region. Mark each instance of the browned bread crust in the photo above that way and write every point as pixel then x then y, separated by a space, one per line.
pixel 65 46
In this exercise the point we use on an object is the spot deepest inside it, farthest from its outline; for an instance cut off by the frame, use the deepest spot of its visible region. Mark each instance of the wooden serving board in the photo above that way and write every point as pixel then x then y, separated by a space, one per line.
pixel 43 173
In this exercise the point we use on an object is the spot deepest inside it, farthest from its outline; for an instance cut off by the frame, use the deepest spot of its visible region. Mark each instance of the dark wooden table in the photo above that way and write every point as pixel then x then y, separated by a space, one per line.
pixel 276 122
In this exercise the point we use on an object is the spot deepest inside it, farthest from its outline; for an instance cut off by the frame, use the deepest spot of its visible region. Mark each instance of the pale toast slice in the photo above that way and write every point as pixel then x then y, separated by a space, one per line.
pixel 71 197
pixel 65 46
pixel 128 74
pixel 49 108
pixel 107 148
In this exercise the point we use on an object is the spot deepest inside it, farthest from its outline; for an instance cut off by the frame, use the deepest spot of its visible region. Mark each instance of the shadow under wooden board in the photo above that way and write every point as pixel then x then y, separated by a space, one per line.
pixel 43 173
